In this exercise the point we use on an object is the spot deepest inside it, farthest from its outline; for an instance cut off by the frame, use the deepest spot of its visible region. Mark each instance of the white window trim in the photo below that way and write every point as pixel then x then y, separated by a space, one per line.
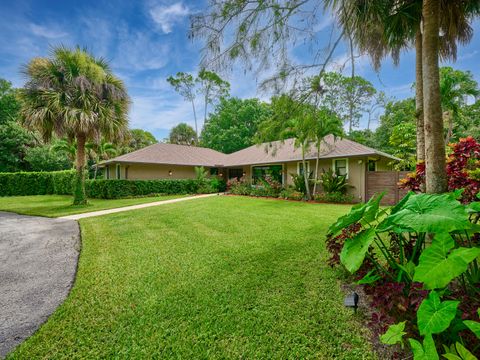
pixel 301 163
pixel 346 161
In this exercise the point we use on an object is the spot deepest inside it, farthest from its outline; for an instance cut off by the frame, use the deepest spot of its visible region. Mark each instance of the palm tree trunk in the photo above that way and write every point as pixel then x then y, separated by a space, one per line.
pixel 419 98
pixel 316 167
pixel 436 177
pixel 79 197
pixel 305 174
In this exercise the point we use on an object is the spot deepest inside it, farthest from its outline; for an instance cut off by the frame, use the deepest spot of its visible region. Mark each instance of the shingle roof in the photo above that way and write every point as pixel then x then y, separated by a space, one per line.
pixel 272 152
pixel 173 154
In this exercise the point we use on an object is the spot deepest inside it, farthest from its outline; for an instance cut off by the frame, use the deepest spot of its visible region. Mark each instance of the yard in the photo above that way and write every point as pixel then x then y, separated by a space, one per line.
pixel 61 205
pixel 222 277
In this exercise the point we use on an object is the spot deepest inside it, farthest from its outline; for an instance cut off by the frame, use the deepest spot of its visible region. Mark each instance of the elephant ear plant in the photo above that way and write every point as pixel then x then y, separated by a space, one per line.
pixel 419 261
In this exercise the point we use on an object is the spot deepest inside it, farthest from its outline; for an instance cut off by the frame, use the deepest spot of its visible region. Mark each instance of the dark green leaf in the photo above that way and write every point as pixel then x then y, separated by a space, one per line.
pixel 427 351
pixel 352 217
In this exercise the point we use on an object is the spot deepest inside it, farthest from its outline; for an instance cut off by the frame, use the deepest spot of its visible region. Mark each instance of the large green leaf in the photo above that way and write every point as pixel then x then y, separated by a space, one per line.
pixel 371 209
pixel 427 351
pixel 438 266
pixel 355 248
pixel 394 334
pixel 434 315
pixel 431 213
pixel 352 217
pixel 474 326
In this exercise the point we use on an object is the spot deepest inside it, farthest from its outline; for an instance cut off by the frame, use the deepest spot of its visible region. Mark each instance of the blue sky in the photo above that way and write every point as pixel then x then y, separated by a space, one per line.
pixel 146 41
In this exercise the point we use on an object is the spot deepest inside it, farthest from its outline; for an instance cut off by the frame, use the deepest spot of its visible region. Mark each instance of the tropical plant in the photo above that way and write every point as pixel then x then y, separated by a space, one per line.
pixel 201 174
pixel 333 182
pixel 391 248
pixel 74 95
pixel 182 134
pixel 212 87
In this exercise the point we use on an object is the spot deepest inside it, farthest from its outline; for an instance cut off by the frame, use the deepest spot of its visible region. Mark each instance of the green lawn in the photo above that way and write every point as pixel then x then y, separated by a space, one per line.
pixel 216 278
pixel 61 205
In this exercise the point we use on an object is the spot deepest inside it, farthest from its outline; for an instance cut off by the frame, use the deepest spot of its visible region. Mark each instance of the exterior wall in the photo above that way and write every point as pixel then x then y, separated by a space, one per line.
pixel 151 172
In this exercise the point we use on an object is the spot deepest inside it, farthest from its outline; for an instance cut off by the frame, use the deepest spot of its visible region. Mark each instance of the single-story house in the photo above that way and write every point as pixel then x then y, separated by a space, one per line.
pixel 281 159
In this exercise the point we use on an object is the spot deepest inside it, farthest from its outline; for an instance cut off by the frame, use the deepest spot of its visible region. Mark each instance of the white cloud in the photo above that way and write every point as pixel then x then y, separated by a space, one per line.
pixel 167 16
pixel 48 32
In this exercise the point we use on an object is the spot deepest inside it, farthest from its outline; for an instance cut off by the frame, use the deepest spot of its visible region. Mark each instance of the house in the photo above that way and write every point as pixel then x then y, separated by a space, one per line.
pixel 281 159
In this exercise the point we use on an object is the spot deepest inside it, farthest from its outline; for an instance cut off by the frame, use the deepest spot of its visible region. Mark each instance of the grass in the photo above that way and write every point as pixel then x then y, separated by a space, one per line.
pixel 61 205
pixel 216 278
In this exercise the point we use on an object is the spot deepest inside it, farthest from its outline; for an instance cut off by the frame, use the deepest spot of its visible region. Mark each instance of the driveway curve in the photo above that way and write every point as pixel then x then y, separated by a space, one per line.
pixel 38 261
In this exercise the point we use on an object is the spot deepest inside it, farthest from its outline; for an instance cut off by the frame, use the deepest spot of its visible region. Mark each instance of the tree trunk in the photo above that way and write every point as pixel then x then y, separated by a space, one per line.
pixel 195 118
pixel 79 197
pixel 352 59
pixel 316 167
pixel 436 176
pixel 419 98
pixel 305 174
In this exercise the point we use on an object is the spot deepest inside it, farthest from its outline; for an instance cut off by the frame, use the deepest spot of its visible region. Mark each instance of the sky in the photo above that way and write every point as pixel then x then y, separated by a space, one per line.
pixel 145 41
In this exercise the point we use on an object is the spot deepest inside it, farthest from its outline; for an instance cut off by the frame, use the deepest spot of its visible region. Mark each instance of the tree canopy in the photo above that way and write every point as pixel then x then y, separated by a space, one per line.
pixel 233 124
pixel 182 134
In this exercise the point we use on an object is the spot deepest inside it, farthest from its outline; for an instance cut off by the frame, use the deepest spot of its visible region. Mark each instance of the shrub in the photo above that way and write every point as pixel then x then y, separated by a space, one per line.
pixel 462 170
pixel 36 183
pixel 333 183
pixel 335 197
pixel 291 194
pixel 239 186
pixel 299 183
pixel 115 189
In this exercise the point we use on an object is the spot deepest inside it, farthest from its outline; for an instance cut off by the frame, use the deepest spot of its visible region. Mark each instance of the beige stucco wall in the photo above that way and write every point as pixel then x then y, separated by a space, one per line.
pixel 149 172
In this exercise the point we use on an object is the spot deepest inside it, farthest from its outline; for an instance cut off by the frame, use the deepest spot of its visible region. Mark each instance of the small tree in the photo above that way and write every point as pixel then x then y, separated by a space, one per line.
pixel 74 95
pixel 182 134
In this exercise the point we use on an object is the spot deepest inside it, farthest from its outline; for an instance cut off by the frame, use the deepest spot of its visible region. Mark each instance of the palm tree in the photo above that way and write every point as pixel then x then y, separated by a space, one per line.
pixel 75 95
pixel 66 147
pixel 102 150
pixel 383 28
pixel 455 87
pixel 325 123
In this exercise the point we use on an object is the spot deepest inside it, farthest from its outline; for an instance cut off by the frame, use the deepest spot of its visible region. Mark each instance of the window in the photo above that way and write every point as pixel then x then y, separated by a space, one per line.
pixel 300 167
pixel 259 172
pixel 107 172
pixel 235 173
pixel 372 165
pixel 213 171
pixel 118 171
pixel 340 166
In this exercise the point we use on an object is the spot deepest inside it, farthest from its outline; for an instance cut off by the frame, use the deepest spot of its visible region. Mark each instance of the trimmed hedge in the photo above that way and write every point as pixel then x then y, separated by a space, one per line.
pixel 61 183
pixel 115 189
pixel 36 183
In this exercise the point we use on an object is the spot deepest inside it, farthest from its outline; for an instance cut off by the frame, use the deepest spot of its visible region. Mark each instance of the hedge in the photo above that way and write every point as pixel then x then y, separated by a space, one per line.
pixel 36 183
pixel 61 183
pixel 115 189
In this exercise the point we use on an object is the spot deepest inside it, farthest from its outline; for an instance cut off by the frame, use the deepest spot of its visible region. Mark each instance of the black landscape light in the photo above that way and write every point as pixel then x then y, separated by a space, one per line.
pixel 351 301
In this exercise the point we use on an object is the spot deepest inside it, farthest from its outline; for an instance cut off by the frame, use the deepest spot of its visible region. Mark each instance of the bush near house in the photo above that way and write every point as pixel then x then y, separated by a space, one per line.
pixel 61 183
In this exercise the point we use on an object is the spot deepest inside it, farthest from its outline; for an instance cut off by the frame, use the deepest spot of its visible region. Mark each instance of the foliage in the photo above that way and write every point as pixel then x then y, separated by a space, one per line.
pixel 36 183
pixel 404 144
pixel 182 134
pixel 116 189
pixel 346 96
pixel 390 252
pixel 9 103
pixel 14 144
pixel 239 186
pixel 334 183
pixel 42 158
pixel 462 167
pixel 74 95
pixel 335 197
pixel 136 139
pixel 290 193
pixel 233 124
pixel 299 183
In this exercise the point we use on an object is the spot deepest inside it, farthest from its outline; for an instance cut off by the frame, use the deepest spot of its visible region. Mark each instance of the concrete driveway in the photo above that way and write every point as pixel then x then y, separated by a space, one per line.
pixel 38 261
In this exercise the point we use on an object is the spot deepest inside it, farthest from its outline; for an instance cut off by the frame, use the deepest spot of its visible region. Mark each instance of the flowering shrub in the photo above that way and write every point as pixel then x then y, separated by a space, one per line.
pixel 239 186
pixel 463 171
pixel 291 194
